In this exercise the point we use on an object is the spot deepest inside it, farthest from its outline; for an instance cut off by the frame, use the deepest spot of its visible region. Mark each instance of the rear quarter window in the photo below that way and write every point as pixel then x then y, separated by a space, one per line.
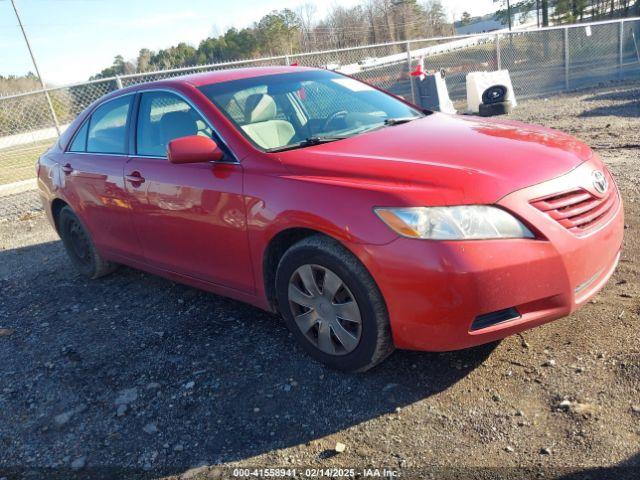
pixel 79 143
pixel 108 127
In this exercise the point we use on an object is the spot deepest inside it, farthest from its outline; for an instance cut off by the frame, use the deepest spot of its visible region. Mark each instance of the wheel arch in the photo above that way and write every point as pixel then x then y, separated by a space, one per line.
pixel 56 207
pixel 276 248
pixel 280 242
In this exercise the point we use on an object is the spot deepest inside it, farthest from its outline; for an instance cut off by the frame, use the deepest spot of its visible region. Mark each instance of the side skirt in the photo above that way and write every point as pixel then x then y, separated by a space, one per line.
pixel 221 290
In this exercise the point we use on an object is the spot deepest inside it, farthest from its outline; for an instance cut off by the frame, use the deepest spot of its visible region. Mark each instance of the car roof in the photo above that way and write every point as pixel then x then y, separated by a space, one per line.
pixel 194 79
pixel 218 76
pixel 200 79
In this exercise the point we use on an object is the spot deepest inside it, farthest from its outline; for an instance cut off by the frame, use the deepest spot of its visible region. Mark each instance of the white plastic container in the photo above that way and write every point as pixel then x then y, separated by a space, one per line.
pixel 478 82
pixel 446 105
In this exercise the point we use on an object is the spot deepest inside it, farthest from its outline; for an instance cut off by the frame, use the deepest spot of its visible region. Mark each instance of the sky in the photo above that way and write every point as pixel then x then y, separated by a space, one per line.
pixel 74 39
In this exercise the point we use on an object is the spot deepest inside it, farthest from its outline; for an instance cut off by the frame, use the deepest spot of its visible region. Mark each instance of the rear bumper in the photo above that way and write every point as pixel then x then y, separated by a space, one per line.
pixel 435 290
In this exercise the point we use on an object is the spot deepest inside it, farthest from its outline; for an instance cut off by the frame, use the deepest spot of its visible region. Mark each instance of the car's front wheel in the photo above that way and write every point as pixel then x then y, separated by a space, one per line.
pixel 332 305
pixel 80 247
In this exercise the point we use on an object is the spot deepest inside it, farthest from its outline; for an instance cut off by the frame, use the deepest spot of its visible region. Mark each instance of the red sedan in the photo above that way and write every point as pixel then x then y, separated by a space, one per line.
pixel 366 222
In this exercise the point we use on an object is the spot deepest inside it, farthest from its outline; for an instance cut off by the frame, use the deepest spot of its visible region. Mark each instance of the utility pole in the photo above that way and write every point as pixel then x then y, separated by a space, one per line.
pixel 508 13
pixel 538 12
pixel 35 65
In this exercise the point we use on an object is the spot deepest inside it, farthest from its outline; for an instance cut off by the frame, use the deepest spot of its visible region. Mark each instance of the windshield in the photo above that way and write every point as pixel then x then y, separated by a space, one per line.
pixel 294 110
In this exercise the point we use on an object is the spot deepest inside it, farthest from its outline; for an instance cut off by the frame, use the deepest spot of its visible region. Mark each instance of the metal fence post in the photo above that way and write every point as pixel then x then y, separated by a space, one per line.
pixel 621 58
pixel 52 110
pixel 118 82
pixel 566 58
pixel 35 66
pixel 413 88
pixel 498 53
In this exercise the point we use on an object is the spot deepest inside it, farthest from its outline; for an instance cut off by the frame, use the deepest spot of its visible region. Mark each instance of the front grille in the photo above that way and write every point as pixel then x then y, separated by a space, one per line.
pixel 578 210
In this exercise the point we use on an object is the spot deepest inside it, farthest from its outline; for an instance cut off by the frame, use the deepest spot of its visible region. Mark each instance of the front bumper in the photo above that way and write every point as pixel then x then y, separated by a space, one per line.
pixel 435 290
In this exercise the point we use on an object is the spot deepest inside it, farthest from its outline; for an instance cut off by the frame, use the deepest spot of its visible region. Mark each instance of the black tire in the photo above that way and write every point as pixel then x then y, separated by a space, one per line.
pixel 80 247
pixel 495 109
pixel 375 342
pixel 494 94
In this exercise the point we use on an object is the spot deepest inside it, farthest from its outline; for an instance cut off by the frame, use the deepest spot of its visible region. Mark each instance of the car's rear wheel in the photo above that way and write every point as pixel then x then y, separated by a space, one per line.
pixel 80 247
pixel 332 305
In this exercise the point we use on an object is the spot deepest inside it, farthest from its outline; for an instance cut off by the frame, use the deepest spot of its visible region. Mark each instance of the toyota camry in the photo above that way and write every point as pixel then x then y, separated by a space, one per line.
pixel 368 223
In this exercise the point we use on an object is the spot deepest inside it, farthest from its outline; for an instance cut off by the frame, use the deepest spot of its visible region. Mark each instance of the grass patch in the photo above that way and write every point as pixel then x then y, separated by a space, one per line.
pixel 19 163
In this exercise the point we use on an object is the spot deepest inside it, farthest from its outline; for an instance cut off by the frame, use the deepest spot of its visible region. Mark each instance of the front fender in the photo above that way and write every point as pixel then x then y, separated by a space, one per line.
pixel 276 203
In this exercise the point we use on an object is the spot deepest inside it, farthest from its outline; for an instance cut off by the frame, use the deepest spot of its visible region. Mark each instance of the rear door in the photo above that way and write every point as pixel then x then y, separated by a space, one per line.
pixel 93 176
pixel 190 218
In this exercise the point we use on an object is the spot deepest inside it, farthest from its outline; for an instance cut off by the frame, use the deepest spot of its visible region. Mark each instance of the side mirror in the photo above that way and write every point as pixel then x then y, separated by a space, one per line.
pixel 193 149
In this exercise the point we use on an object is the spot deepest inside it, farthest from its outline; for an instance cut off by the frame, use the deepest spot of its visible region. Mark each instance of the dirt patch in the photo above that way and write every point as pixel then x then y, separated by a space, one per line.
pixel 134 375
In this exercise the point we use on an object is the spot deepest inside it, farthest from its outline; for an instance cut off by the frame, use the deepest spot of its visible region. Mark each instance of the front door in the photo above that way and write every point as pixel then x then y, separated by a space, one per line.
pixel 190 218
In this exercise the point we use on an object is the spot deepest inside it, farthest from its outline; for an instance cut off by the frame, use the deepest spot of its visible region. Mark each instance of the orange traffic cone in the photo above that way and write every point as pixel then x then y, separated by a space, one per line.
pixel 419 71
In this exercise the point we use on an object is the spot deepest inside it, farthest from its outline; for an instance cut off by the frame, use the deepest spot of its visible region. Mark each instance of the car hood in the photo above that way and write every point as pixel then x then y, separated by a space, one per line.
pixel 450 158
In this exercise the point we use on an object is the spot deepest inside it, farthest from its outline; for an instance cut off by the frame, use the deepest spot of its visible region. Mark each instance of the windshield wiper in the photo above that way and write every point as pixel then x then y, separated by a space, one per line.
pixel 389 122
pixel 399 121
pixel 310 141
pixel 318 139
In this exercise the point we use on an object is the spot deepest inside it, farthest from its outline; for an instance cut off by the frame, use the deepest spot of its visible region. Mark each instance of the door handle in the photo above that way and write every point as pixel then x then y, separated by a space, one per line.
pixel 67 169
pixel 135 178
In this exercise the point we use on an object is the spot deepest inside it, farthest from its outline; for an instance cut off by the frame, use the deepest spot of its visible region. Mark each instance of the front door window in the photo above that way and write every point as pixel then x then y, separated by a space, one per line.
pixel 164 117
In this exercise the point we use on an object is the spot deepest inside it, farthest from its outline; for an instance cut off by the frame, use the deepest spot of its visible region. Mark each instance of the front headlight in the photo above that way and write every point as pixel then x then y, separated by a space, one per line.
pixel 465 222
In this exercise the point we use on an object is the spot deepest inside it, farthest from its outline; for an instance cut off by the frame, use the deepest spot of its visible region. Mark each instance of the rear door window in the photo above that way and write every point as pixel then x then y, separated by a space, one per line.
pixel 108 127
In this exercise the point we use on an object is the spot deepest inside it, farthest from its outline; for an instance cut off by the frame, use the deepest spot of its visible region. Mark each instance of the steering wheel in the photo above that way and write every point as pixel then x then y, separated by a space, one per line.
pixel 334 116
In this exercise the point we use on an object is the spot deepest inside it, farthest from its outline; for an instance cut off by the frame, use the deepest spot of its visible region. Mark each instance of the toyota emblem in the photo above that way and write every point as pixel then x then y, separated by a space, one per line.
pixel 599 181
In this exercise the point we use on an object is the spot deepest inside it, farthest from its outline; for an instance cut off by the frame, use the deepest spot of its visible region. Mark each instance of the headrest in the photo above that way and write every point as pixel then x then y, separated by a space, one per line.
pixel 178 124
pixel 259 107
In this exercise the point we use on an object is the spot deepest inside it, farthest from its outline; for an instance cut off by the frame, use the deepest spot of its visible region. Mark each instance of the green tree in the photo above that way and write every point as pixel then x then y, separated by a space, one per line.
pixel 240 44
pixel 524 8
pixel 143 63
pixel 182 55
pixel 275 32
pixel 544 6
pixel 466 18
pixel 233 45
pixel 119 67
pixel 283 31
pixel 211 50
pixel 569 11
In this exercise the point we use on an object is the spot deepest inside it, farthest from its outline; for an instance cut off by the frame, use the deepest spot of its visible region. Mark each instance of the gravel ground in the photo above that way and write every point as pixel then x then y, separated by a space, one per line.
pixel 19 205
pixel 133 375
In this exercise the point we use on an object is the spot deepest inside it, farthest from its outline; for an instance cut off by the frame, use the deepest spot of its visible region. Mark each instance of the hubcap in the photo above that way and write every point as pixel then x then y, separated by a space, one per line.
pixel 325 310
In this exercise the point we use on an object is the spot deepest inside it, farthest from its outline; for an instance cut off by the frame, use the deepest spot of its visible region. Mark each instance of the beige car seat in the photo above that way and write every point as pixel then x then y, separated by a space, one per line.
pixel 262 126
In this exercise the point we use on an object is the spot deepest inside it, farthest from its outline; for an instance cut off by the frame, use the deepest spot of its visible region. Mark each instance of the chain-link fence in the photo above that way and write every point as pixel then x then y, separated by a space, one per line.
pixel 540 62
